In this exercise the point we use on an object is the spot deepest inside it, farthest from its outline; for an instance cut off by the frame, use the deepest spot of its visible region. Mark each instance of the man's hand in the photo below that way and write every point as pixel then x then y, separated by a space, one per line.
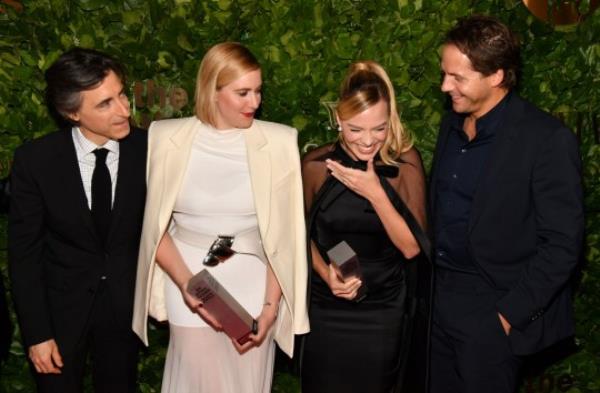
pixel 46 357
pixel 505 324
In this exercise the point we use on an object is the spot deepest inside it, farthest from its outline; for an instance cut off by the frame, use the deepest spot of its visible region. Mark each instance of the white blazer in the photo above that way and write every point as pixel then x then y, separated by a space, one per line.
pixel 274 165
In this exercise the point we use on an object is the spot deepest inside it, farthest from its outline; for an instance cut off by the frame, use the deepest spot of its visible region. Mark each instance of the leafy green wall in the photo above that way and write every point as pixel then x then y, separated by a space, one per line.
pixel 305 47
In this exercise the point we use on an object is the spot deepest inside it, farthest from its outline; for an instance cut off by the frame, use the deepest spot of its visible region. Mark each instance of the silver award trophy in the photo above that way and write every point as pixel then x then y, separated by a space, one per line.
pixel 344 257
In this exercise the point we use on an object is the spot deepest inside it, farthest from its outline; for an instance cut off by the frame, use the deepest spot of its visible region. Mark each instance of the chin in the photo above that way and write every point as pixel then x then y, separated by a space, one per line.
pixel 245 124
pixel 121 134
pixel 364 157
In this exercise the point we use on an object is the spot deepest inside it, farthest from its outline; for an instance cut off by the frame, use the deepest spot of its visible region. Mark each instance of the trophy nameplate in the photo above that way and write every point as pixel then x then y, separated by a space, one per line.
pixel 236 321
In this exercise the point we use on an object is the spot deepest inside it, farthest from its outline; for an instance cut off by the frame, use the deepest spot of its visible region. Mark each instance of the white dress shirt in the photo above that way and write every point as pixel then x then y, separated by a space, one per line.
pixel 87 161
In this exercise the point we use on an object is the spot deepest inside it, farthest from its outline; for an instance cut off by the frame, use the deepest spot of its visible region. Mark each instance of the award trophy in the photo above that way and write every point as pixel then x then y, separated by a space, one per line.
pixel 236 321
pixel 344 257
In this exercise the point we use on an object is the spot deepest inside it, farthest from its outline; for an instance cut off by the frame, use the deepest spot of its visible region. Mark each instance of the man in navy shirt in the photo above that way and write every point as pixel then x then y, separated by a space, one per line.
pixel 507 208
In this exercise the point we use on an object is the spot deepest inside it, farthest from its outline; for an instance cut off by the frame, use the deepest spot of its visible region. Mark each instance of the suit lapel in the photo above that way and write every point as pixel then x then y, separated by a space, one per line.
pixel 74 194
pixel 498 160
pixel 122 191
pixel 259 163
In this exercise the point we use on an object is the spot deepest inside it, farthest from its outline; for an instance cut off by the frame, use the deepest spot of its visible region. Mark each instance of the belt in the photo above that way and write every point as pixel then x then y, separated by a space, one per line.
pixel 246 242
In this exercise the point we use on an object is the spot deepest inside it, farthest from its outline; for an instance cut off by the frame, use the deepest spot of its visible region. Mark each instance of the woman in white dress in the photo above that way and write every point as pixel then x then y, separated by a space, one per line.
pixel 223 172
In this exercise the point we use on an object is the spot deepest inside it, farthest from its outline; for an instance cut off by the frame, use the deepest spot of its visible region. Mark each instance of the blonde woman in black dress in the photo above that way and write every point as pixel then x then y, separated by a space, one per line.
pixel 368 189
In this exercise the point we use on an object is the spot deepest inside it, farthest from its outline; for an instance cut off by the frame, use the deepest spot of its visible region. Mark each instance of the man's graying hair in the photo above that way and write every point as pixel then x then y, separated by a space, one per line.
pixel 74 71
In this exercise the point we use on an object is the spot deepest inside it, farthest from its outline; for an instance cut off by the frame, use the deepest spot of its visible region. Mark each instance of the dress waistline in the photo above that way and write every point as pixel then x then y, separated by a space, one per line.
pixel 245 242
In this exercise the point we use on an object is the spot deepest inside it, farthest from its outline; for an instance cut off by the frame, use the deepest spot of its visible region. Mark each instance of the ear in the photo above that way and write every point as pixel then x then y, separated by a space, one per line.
pixel 73 116
pixel 338 120
pixel 496 78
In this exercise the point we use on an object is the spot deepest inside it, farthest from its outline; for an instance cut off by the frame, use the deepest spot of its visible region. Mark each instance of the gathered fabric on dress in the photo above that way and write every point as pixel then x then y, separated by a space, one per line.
pixel 216 199
pixel 357 346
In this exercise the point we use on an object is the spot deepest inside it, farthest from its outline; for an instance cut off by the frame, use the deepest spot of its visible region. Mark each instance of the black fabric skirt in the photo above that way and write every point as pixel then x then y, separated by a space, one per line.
pixel 354 347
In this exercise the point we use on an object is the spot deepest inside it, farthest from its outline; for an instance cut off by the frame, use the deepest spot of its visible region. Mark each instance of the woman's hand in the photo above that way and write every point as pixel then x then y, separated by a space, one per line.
pixel 364 183
pixel 264 322
pixel 340 288
pixel 196 306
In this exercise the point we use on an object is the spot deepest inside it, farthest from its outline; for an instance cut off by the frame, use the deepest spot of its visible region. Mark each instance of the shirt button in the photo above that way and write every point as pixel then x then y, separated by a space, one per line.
pixel 454 176
pixel 463 150
pixel 440 253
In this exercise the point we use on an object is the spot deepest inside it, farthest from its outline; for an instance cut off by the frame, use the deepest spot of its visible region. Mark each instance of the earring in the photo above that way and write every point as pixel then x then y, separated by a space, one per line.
pixel 339 128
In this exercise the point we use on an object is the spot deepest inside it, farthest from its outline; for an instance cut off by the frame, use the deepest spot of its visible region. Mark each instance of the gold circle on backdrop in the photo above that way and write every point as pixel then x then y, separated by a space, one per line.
pixel 560 12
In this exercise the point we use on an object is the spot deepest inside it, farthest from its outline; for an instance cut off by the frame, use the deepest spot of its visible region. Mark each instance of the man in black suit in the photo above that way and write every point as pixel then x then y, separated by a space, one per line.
pixel 76 207
pixel 506 199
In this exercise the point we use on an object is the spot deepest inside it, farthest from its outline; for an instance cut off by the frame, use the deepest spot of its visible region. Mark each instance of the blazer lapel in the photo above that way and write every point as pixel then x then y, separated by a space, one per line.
pixel 498 159
pixel 259 163
pixel 177 154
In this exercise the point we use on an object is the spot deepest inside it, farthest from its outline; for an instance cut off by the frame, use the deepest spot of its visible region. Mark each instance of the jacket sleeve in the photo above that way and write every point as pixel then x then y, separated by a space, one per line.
pixel 26 234
pixel 557 200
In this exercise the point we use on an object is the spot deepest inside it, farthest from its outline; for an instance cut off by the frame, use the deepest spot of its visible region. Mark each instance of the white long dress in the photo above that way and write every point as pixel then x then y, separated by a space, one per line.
pixel 216 198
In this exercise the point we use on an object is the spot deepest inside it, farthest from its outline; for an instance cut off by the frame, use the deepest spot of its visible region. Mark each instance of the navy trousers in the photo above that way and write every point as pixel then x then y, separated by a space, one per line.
pixel 470 352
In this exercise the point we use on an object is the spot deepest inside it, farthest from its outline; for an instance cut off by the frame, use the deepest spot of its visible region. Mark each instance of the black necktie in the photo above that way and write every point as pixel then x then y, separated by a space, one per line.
pixel 101 194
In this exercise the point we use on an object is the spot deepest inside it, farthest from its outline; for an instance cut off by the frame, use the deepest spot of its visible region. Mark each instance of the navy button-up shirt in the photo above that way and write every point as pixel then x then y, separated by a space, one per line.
pixel 460 166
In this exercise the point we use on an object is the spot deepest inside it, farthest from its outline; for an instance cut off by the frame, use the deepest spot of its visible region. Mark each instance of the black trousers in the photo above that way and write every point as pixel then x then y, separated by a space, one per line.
pixel 470 352
pixel 113 351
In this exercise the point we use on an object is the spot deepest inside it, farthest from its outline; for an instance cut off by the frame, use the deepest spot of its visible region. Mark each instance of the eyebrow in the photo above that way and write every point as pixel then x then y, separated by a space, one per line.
pixel 110 98
pixel 104 101
pixel 377 126
pixel 247 89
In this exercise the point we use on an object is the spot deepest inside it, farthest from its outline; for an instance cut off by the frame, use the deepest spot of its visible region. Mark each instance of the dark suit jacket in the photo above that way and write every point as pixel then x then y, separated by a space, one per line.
pixel 56 259
pixel 526 223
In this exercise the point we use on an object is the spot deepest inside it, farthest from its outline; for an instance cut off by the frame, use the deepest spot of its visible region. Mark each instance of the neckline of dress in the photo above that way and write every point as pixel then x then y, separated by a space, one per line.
pixel 381 169
pixel 224 131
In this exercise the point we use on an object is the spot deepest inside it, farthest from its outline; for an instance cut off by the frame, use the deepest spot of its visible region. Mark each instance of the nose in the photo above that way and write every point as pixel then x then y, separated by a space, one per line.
pixel 367 139
pixel 255 100
pixel 446 85
pixel 123 106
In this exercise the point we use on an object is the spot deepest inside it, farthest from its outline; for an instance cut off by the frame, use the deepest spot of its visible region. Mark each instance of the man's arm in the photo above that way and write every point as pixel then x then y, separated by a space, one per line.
pixel 558 203
pixel 26 233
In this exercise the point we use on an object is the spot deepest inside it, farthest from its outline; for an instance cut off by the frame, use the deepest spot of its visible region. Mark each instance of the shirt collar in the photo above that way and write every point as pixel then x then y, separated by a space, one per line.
pixel 85 146
pixel 488 123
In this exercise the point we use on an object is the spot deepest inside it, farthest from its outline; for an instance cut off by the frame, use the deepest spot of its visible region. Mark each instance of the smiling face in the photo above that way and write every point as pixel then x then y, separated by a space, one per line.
pixel 471 92
pixel 238 101
pixel 364 134
pixel 104 111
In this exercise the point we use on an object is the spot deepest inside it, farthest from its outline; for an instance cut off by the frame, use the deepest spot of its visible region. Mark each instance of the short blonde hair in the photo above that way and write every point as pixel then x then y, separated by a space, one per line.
pixel 221 65
pixel 366 84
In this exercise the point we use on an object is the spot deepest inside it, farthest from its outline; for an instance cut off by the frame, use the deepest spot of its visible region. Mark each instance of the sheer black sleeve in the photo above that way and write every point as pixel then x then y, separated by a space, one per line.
pixel 410 185
pixel 314 173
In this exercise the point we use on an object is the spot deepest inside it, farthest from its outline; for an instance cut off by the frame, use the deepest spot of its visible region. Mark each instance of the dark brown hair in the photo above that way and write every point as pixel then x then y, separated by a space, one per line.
pixel 489 45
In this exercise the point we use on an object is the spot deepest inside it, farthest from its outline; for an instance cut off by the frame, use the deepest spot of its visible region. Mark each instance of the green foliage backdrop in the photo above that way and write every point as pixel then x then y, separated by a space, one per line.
pixel 305 47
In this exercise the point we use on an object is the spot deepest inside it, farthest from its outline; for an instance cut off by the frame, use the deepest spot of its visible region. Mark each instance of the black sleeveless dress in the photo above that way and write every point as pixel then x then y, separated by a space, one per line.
pixel 355 347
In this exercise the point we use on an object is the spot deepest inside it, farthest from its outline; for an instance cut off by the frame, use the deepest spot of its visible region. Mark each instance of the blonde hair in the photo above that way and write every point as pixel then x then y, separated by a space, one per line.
pixel 221 65
pixel 366 84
